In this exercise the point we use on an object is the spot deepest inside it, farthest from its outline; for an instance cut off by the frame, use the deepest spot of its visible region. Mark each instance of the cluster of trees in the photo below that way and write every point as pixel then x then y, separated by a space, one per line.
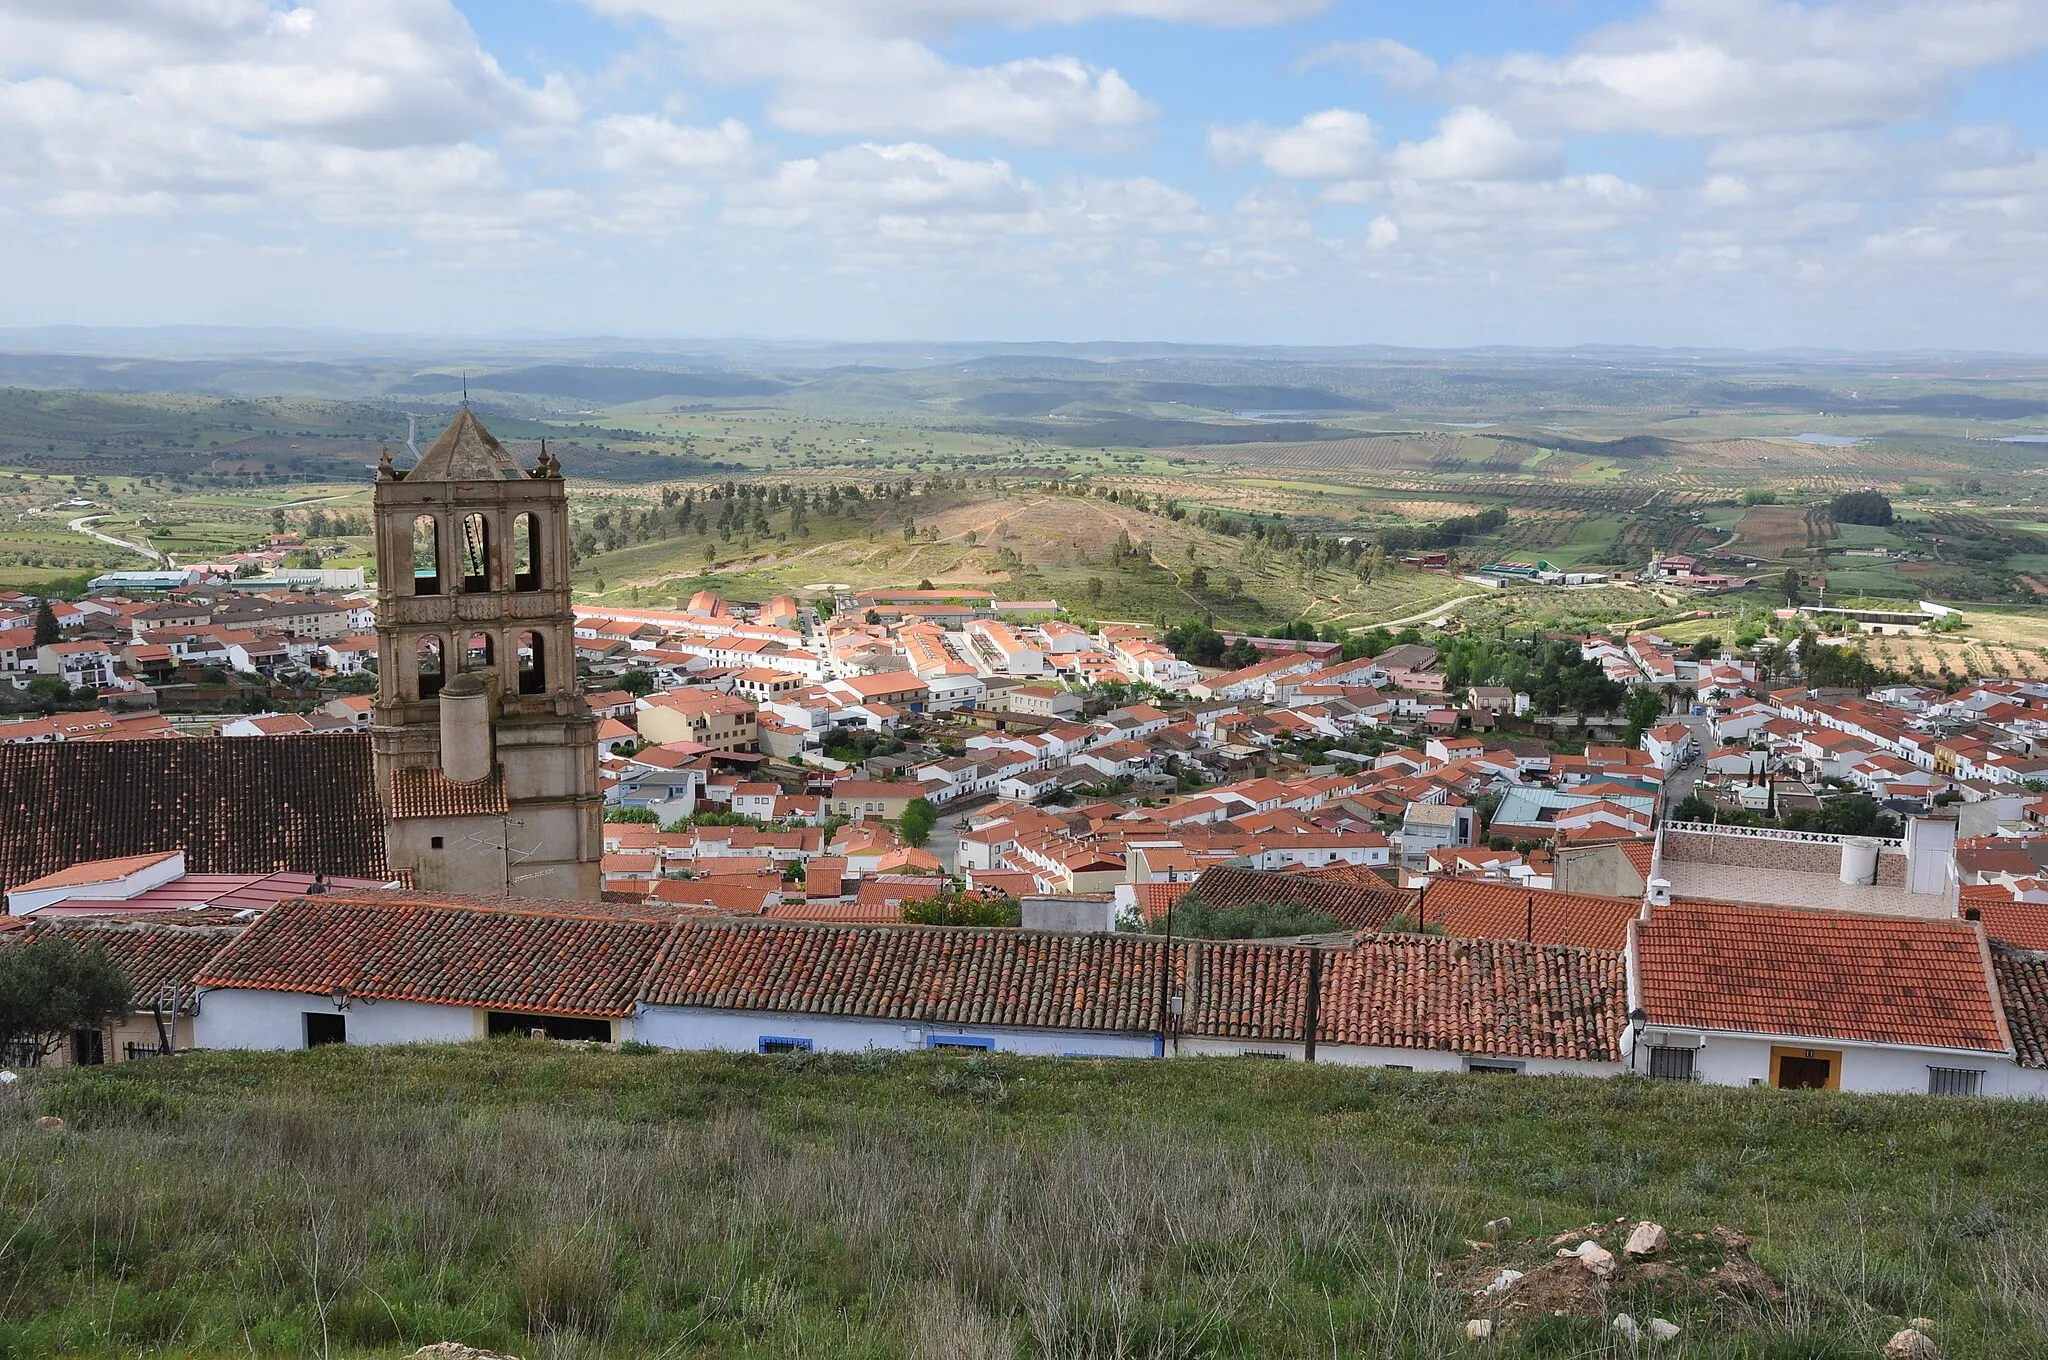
pixel 743 510
pixel 956 908
pixel 1446 534
pixel 1201 645
pixel 1861 507
pixel 1553 674
pixel 1855 814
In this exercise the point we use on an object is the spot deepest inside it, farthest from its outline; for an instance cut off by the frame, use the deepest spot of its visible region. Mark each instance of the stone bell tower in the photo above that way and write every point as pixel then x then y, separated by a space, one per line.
pixel 486 752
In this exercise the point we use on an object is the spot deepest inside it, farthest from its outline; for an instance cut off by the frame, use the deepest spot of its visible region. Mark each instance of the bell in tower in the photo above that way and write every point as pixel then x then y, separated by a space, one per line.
pixel 486 752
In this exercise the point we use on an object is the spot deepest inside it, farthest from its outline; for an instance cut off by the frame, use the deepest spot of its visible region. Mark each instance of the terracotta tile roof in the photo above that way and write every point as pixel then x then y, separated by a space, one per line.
pixel 233 804
pixel 839 913
pixel 94 872
pixel 1501 998
pixel 1154 898
pixel 2023 989
pixel 423 791
pixel 1473 909
pixel 746 896
pixel 152 956
pixel 2023 925
pixel 1356 905
pixel 1818 974
pixel 519 956
pixel 915 974
pixel 896 889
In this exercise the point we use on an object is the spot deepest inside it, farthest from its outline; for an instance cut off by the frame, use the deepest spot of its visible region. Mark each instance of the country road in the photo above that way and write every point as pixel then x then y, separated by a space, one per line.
pixel 83 525
pixel 1433 611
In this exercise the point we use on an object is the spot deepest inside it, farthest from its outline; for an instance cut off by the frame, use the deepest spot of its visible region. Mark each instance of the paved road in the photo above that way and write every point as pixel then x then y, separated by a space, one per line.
pixel 1681 782
pixel 83 525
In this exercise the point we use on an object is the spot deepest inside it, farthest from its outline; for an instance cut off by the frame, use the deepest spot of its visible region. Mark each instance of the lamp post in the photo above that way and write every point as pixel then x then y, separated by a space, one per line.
pixel 1637 1018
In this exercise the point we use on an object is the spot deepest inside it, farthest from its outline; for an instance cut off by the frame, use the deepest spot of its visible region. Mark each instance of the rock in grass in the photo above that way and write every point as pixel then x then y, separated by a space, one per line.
pixel 1478 1329
pixel 50 1123
pixel 1661 1330
pixel 1596 1259
pixel 1911 1344
pixel 1497 1228
pixel 455 1350
pixel 1625 1326
pixel 1646 1240
pixel 1501 1281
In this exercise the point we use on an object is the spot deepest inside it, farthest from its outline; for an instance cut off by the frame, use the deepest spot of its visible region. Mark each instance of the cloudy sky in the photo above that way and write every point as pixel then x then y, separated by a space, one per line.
pixel 1757 173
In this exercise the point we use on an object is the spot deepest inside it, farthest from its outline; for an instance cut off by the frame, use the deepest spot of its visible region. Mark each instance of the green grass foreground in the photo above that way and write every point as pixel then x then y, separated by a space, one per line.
pixel 557 1202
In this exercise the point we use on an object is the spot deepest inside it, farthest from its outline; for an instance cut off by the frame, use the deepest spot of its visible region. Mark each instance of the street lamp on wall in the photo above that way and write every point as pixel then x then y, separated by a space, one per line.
pixel 341 997
pixel 1637 1018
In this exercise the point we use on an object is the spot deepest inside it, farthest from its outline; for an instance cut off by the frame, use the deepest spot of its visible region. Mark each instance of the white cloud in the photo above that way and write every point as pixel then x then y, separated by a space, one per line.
pixel 826 87
pixel 941 16
pixel 1333 144
pixel 1699 68
pixel 638 142
pixel 871 178
pixel 353 107
pixel 1474 144
pixel 850 68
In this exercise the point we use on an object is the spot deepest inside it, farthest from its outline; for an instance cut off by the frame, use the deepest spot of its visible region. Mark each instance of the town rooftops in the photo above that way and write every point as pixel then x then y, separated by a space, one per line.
pixel 156 958
pixel 521 956
pixel 1819 974
pixel 1471 908
pixel 234 805
pixel 1357 906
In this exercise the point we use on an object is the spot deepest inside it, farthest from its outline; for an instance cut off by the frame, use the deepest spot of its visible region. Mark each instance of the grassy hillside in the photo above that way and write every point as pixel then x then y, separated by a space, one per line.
pixel 1024 540
pixel 552 1202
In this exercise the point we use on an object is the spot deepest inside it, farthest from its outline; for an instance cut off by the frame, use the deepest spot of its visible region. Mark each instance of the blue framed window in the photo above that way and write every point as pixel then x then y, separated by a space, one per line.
pixel 777 1043
pixel 960 1041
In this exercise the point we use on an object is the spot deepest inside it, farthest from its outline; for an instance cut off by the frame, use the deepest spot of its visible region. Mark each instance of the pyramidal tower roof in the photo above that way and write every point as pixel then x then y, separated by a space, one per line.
pixel 466 452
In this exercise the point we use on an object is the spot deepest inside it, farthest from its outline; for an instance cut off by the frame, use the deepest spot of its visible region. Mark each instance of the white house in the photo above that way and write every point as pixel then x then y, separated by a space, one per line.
pixel 1822 999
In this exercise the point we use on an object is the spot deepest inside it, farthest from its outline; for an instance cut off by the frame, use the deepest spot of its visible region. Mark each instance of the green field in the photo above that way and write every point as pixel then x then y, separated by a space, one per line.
pixel 547 1201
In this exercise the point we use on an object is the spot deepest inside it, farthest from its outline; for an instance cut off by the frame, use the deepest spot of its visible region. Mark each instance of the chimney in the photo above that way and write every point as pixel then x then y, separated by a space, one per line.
pixel 465 730
pixel 1660 892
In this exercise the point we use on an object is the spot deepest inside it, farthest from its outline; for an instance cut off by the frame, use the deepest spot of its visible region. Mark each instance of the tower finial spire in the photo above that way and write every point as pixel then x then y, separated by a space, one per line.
pixel 465 389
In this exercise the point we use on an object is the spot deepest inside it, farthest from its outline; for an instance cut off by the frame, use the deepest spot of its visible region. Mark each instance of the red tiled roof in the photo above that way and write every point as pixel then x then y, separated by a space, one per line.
pixel 94 872
pixel 1356 905
pixel 233 804
pixel 839 913
pixel 423 791
pixel 1499 997
pixel 521 956
pixel 1474 909
pixel 151 956
pixel 2023 925
pixel 2023 989
pixel 1155 898
pixel 915 973
pixel 1819 974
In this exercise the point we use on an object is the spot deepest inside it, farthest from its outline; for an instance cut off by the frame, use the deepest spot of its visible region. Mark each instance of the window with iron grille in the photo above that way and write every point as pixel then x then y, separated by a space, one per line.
pixel 776 1043
pixel 1671 1064
pixel 1954 1081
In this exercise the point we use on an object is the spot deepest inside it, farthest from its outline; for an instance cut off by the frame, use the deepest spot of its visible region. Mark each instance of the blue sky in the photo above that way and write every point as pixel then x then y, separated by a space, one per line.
pixel 1754 173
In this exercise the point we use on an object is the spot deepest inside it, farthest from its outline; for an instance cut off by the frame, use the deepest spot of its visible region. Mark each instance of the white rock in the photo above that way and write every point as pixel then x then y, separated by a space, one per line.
pixel 1647 1240
pixel 1497 1228
pixel 1502 1281
pixel 1478 1329
pixel 1626 1326
pixel 1661 1330
pixel 1596 1258
pixel 1911 1345
pixel 8 1079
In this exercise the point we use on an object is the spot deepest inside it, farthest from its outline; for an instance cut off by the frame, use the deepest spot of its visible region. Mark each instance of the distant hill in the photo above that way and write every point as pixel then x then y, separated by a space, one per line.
pixel 605 386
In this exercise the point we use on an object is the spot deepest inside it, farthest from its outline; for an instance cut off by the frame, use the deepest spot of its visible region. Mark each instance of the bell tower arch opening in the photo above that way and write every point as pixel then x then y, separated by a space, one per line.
pixel 482 736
